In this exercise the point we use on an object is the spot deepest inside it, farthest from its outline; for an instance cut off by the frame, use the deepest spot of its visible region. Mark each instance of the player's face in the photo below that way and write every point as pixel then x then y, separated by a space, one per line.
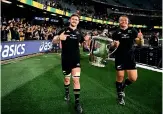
pixel 74 21
pixel 123 21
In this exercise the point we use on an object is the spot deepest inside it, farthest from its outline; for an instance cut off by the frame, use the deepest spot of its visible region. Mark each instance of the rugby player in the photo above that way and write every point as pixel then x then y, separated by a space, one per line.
pixel 124 39
pixel 70 38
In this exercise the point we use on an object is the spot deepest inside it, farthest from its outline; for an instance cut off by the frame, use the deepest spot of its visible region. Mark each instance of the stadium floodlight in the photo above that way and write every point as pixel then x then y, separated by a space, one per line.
pixel 6 1
pixel 20 6
pixel 53 14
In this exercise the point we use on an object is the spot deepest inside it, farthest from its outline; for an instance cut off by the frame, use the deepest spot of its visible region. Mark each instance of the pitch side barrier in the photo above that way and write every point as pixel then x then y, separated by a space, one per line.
pixel 14 49
pixel 148 58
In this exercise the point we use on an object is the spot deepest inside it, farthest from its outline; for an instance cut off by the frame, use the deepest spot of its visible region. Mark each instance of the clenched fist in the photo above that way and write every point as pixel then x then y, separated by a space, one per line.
pixel 116 43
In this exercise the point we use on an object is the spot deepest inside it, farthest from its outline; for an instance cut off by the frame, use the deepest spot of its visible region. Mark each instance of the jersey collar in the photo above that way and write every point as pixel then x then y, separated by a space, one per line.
pixel 72 29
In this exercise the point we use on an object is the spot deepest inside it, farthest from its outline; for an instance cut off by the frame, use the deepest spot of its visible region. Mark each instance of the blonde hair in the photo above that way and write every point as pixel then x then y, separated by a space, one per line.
pixel 75 14
pixel 124 16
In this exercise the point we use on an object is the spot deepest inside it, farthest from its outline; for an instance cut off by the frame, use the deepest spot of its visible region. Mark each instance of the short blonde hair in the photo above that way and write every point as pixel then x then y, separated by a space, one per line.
pixel 75 14
pixel 123 16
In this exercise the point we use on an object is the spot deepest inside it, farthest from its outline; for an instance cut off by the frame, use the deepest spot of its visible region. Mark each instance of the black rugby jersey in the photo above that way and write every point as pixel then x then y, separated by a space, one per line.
pixel 70 46
pixel 126 38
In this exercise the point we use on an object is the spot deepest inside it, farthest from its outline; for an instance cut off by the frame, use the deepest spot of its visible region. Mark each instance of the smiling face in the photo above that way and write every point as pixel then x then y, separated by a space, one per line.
pixel 123 22
pixel 74 21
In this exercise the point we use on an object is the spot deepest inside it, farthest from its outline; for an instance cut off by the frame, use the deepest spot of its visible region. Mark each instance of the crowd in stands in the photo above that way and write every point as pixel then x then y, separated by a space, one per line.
pixel 82 6
pixel 86 8
pixel 137 4
pixel 129 11
pixel 18 30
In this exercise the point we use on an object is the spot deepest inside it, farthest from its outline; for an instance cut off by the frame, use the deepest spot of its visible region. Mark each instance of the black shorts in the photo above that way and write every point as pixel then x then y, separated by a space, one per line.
pixel 125 62
pixel 69 64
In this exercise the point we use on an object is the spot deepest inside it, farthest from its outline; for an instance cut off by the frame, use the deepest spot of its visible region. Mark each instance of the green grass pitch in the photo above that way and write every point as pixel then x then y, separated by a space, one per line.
pixel 35 86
